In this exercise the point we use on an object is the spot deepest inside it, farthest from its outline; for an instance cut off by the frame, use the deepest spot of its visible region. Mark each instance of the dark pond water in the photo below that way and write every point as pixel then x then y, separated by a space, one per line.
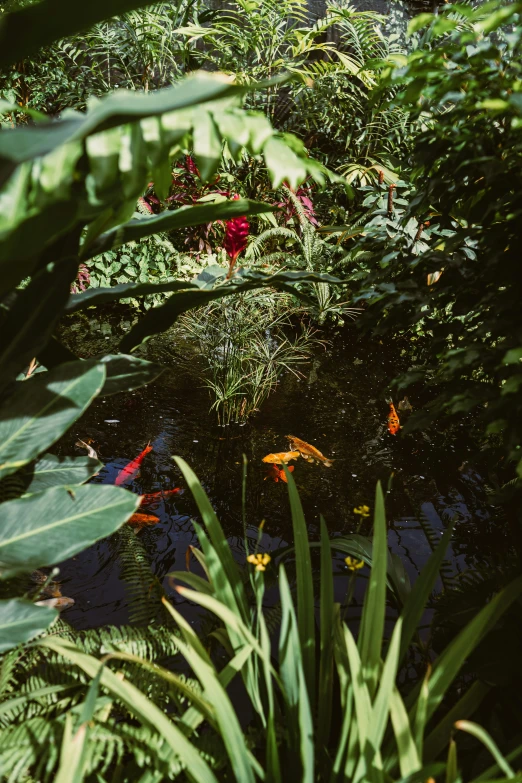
pixel 339 406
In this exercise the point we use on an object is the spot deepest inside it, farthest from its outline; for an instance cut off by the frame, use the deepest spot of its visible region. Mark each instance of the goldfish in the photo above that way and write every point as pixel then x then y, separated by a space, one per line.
pixel 57 603
pixel 131 470
pixel 405 406
pixel 278 474
pixel 140 520
pixel 81 444
pixel 281 457
pixel 393 420
pixel 309 452
pixel 155 497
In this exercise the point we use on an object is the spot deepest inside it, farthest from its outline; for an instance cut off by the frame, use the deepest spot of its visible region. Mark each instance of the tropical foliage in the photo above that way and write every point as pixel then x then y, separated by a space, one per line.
pixel 202 199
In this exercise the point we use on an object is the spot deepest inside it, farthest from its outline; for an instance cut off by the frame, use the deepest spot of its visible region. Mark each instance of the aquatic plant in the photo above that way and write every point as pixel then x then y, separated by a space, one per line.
pixel 243 349
pixel 328 708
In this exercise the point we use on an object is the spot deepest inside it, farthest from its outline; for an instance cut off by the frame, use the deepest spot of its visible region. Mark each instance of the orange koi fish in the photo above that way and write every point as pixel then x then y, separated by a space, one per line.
pixel 309 452
pixel 131 470
pixel 139 520
pixel 393 420
pixel 154 497
pixel 281 457
pixel 278 474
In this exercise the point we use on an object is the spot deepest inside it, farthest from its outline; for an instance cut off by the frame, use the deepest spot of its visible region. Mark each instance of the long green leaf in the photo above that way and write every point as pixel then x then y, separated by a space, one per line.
pixel 192 718
pixel 273 764
pixel 172 221
pixel 305 587
pixel 233 594
pixel 58 523
pixel 200 705
pixel 229 617
pixel 381 706
pixel 21 621
pixel 372 622
pixel 324 701
pixel 42 409
pixel 298 716
pixel 490 772
pixel 409 760
pixel 449 663
pixel 482 735
pixel 226 718
pixel 439 737
pixel 139 705
pixel 417 600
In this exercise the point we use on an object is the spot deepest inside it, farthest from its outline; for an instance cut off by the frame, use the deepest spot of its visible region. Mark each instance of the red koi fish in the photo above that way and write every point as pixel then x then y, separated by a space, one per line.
pixel 278 474
pixel 393 420
pixel 155 497
pixel 131 470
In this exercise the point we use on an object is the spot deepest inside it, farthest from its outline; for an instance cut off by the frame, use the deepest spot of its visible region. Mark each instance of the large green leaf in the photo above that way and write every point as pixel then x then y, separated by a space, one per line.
pixel 41 410
pixel 124 373
pixel 52 471
pixel 30 321
pixel 138 228
pixel 24 31
pixel 50 526
pixel 93 297
pixel 21 243
pixel 21 621
pixel 121 107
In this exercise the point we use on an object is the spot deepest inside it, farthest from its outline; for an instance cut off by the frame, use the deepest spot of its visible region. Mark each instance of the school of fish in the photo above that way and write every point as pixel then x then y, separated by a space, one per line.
pixel 299 448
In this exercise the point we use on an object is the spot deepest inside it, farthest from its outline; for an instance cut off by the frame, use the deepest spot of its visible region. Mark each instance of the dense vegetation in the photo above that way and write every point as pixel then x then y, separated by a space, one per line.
pixel 243 179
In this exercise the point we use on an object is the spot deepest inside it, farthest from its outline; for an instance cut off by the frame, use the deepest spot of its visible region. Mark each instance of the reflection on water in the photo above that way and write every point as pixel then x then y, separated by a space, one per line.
pixel 340 408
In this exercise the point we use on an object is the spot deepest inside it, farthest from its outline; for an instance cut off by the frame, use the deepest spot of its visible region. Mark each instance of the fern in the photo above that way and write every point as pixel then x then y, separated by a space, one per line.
pixel 143 589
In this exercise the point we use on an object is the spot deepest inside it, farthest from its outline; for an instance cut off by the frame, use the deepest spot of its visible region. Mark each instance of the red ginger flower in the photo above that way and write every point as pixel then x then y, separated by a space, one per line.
pixel 236 236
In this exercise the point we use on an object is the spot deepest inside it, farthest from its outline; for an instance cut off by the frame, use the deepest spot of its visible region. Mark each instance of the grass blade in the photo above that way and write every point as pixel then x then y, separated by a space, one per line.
pixel 230 590
pixel 409 760
pixel 298 714
pixel 372 622
pixel 416 602
pixel 449 663
pixel 324 701
pixel 466 706
pixel 482 735
pixel 305 589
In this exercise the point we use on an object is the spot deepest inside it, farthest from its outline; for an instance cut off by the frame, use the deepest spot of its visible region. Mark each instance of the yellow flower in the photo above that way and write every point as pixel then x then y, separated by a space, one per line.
pixel 353 564
pixel 260 561
pixel 364 511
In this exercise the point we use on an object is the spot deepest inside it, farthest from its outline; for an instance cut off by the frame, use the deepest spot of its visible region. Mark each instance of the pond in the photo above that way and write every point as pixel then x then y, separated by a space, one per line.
pixel 339 405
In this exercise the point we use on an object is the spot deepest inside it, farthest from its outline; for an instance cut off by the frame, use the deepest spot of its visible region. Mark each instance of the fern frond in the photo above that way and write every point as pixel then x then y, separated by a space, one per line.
pixel 143 588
